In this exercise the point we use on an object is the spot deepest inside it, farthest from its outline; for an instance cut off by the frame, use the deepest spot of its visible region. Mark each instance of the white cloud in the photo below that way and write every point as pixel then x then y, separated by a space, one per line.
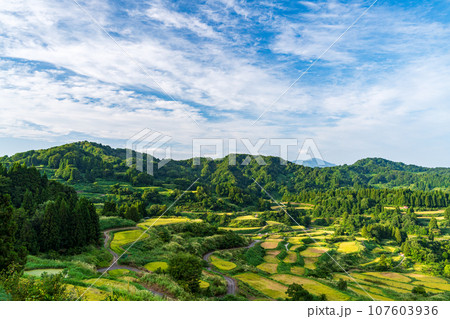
pixel 354 102
pixel 170 18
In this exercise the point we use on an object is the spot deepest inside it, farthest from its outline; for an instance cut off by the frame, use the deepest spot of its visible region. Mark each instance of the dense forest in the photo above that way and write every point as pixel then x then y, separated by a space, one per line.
pixel 40 215
pixel 86 161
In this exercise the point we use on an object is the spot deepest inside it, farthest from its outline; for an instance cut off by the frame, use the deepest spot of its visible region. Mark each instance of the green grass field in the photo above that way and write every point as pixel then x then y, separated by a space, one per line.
pixel 39 272
pixel 118 272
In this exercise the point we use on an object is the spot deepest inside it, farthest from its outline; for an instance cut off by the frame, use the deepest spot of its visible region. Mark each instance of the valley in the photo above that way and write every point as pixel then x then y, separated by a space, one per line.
pixel 333 231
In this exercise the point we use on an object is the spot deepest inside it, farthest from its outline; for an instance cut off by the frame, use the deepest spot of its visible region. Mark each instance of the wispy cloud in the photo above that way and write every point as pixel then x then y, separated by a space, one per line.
pixel 225 62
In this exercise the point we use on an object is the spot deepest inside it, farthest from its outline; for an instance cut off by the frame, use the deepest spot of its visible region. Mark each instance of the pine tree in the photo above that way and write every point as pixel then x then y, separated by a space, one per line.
pixel 10 250
pixel 398 235
pixel 27 202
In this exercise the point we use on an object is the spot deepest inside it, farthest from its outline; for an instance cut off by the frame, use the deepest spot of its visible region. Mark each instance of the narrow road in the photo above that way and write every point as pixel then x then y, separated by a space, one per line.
pixel 231 282
pixel 115 265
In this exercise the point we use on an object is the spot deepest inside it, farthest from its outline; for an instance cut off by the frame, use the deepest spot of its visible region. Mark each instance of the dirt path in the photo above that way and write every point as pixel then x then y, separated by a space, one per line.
pixel 115 265
pixel 231 282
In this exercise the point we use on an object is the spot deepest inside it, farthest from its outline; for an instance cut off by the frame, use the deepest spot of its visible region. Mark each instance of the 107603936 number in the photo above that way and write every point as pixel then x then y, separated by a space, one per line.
pixel 403 310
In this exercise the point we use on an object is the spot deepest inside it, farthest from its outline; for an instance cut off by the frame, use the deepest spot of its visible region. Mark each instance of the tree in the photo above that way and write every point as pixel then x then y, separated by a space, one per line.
pixel 132 213
pixel 27 202
pixel 296 292
pixel 447 213
pixel 432 224
pixel 342 284
pixel 11 252
pixel 419 290
pixel 398 236
pixel 109 209
pixel 45 288
pixel 186 269
pixel 447 271
pixel 50 229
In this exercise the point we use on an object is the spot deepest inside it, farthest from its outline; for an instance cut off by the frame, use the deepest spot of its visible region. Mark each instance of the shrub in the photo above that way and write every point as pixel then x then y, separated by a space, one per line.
pixel 255 256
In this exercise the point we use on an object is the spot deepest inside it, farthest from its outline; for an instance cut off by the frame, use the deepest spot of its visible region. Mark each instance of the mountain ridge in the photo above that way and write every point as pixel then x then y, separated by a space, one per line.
pixel 88 161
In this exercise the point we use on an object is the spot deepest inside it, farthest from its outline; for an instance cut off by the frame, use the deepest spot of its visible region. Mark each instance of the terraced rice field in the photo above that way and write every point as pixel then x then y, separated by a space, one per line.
pixel 125 237
pixel 222 264
pixel 270 256
pixel 204 284
pixel 376 260
pixel 271 268
pixel 153 266
pixel 110 284
pixel 246 217
pixel 426 278
pixel 240 228
pixel 165 221
pixel 349 247
pixel 48 271
pixel 313 251
pixel 371 295
pixel 91 294
pixel 312 286
pixel 389 276
pixel 296 240
pixel 268 287
pixel 431 212
pixel 270 243
pixel 296 270
pixel 433 285
pixel 291 257
pixel 271 223
pixel 394 281
pixel 310 262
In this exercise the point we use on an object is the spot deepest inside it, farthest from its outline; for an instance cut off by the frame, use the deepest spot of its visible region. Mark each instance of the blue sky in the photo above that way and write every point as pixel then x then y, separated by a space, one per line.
pixel 193 69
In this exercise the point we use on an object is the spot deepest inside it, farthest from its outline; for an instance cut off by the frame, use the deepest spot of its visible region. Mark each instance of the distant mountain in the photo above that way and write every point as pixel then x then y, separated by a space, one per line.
pixel 375 164
pixel 85 162
pixel 314 162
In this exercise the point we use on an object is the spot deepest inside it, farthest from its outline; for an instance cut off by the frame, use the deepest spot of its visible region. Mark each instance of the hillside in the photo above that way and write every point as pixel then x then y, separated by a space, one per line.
pixel 54 212
pixel 86 162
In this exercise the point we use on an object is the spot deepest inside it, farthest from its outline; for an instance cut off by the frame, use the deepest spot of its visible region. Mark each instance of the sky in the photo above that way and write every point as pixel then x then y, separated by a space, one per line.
pixel 359 78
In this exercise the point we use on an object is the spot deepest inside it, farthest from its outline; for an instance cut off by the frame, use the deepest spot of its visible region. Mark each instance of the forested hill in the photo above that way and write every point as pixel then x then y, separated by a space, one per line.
pixel 86 162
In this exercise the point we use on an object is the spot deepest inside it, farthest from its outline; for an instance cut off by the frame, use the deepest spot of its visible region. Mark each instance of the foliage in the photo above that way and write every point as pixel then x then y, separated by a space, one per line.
pixel 114 222
pixel 296 292
pixel 255 255
pixel 186 269
pixel 46 288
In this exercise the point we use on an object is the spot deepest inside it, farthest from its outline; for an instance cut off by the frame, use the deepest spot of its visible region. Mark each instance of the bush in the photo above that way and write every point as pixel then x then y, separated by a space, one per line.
pixel 419 290
pixel 342 284
pixel 115 222
pixel 255 256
